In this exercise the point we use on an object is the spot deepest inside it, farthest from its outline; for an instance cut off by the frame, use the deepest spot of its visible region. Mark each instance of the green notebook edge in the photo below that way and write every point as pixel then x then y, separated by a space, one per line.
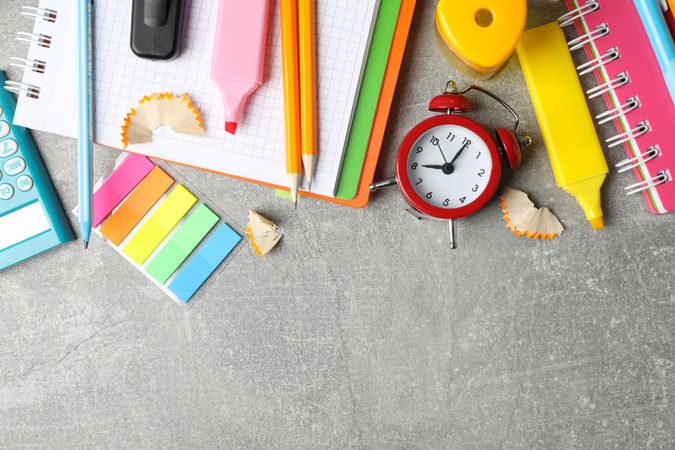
pixel 368 99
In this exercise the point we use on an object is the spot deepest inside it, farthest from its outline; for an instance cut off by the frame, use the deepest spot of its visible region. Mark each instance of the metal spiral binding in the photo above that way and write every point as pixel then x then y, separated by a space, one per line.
pixel 46 14
pixel 620 80
pixel 640 129
pixel 28 90
pixel 631 104
pixel 578 42
pixel 644 157
pixel 577 13
pixel 610 55
pixel 658 179
pixel 32 38
pixel 34 65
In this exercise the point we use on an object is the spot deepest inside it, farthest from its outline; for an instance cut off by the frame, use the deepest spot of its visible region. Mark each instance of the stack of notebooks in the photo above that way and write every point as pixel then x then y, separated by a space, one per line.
pixel 360 45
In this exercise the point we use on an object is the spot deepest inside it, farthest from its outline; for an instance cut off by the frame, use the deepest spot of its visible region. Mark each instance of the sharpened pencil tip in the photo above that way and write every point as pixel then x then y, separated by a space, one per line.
pixel 293 184
pixel 309 163
pixel 86 244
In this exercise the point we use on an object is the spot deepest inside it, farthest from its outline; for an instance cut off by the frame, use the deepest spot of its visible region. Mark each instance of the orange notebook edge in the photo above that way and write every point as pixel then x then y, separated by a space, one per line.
pixel 379 124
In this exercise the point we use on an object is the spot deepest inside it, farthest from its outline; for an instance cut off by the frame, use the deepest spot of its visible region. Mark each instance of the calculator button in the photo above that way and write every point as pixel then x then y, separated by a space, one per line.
pixel 6 191
pixel 24 183
pixel 4 129
pixel 14 166
pixel 1 111
pixel 8 148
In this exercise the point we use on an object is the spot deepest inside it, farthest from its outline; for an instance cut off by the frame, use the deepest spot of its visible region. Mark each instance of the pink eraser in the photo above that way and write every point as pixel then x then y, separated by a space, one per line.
pixel 121 182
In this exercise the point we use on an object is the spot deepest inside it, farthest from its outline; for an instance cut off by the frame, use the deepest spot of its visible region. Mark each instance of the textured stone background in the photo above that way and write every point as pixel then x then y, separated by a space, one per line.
pixel 363 329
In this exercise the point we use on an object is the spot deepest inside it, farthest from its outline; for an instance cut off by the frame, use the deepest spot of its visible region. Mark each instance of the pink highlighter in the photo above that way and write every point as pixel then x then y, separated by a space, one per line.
pixel 239 54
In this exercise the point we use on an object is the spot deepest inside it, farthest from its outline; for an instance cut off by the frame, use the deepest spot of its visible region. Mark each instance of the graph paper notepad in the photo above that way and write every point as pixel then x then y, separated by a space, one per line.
pixel 256 152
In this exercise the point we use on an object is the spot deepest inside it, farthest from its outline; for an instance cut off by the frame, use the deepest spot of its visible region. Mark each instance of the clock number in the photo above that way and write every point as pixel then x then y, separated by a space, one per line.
pixel 466 142
pixel 446 202
pixel 434 140
pixel 451 136
pixel 478 155
pixel 481 173
pixel 430 194
pixel 475 188
pixel 414 166
pixel 420 180
pixel 463 199
pixel 419 149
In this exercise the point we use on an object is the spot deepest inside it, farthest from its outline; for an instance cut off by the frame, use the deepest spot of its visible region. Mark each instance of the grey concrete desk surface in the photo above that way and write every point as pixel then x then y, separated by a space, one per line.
pixel 362 329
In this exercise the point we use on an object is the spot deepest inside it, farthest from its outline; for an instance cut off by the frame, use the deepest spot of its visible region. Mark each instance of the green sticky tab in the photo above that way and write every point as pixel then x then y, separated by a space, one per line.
pixel 183 242
pixel 368 99
pixel 286 195
pixel 160 224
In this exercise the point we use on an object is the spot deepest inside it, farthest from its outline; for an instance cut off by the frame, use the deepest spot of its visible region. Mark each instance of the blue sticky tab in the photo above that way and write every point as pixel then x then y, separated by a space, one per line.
pixel 207 259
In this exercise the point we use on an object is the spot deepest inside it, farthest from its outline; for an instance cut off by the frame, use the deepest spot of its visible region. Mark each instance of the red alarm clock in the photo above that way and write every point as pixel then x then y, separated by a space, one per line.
pixel 449 167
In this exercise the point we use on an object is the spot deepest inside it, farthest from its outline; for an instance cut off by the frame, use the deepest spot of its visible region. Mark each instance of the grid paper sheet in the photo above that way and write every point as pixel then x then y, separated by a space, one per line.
pixel 257 151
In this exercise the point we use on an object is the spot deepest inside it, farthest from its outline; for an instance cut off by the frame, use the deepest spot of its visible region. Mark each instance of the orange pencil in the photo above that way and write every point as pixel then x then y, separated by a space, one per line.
pixel 290 68
pixel 670 14
pixel 307 42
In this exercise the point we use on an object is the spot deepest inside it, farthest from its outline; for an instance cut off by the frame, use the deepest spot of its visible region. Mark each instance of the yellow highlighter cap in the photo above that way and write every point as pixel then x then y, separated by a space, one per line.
pixel 481 33
pixel 597 223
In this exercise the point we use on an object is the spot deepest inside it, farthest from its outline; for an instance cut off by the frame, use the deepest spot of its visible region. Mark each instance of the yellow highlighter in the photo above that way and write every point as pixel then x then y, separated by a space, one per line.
pixel 573 146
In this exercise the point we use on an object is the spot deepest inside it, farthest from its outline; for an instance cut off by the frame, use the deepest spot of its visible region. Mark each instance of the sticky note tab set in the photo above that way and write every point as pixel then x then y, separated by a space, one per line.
pixel 160 226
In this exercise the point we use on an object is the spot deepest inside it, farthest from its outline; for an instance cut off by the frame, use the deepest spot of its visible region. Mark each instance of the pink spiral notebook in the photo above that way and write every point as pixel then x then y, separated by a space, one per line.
pixel 638 100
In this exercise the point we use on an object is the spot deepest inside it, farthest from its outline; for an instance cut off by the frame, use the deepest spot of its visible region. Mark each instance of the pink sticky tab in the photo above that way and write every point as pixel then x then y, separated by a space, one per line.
pixel 121 182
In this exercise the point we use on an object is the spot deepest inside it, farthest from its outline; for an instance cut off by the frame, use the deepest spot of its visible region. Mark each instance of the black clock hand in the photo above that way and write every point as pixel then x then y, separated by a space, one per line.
pixel 446 168
pixel 442 154
pixel 459 153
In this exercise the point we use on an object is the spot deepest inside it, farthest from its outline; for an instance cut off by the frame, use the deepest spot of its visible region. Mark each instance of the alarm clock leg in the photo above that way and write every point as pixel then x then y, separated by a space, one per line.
pixel 382 184
pixel 416 214
pixel 452 226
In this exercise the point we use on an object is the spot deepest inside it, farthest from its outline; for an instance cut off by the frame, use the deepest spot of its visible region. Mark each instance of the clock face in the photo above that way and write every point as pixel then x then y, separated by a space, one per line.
pixel 449 166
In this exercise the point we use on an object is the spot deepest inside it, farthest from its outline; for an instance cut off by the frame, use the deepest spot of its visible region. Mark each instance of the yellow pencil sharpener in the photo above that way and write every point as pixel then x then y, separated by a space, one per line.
pixel 481 35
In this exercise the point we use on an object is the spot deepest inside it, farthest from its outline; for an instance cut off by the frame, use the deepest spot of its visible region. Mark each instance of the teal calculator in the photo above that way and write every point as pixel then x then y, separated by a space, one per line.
pixel 32 220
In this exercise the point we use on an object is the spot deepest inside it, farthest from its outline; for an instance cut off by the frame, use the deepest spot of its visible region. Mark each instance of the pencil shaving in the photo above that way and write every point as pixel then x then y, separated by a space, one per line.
pixel 157 110
pixel 524 219
pixel 262 234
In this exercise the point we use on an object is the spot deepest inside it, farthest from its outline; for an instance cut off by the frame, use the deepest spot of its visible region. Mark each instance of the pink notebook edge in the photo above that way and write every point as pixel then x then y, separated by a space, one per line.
pixel 654 196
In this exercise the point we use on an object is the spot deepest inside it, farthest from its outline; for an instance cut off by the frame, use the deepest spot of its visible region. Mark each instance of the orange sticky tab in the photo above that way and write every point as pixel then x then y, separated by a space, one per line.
pixel 136 206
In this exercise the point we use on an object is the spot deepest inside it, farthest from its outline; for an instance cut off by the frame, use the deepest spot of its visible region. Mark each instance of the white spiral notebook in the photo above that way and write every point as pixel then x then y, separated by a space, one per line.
pixel 257 151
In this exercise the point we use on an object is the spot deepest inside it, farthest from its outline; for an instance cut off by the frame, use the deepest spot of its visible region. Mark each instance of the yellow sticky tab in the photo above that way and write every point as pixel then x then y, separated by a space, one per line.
pixel 160 224
pixel 573 146
pixel 482 33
